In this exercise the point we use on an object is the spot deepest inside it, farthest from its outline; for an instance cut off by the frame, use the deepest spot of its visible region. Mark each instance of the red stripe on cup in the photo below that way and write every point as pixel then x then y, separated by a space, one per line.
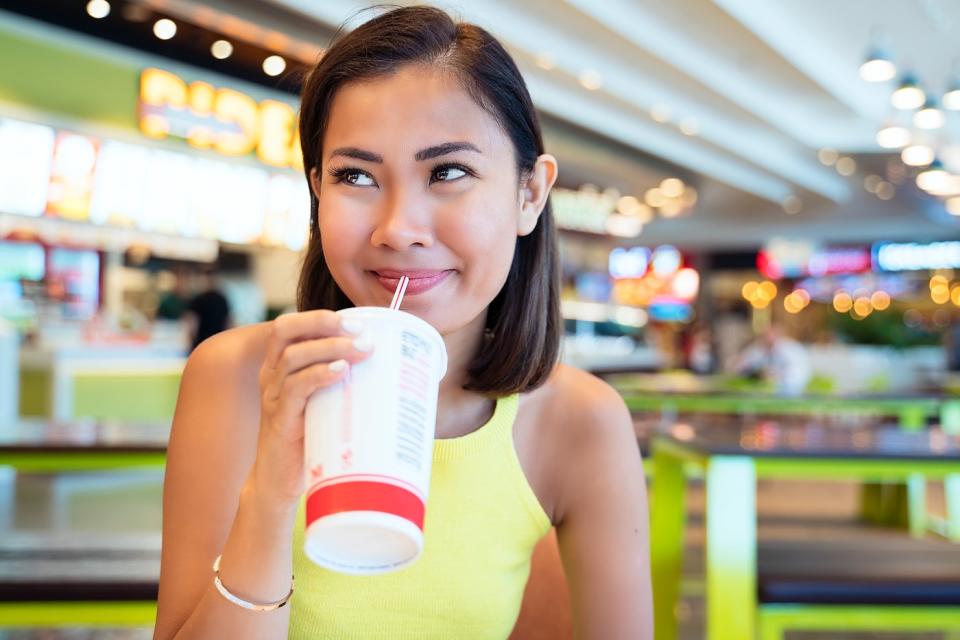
pixel 364 496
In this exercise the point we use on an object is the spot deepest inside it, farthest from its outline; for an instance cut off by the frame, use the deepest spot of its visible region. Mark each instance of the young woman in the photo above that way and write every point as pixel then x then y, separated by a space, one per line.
pixel 424 156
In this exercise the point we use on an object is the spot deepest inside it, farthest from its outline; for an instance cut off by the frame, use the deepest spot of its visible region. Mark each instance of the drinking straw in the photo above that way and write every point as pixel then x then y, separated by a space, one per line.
pixel 398 294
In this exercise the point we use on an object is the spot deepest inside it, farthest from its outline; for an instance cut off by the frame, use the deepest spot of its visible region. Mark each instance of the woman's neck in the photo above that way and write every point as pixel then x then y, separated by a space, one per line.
pixel 459 411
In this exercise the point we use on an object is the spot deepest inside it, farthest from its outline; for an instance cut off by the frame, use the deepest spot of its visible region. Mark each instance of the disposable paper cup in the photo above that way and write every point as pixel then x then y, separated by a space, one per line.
pixel 369 448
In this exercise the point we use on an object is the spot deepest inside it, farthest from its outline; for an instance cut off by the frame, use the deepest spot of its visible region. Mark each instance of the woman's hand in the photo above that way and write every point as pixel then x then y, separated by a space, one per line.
pixel 305 352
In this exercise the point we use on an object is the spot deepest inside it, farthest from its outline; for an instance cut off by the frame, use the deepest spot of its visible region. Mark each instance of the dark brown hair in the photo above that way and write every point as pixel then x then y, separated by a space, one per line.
pixel 523 330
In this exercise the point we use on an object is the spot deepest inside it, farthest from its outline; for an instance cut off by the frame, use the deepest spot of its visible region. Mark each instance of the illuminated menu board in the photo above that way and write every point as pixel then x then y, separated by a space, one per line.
pixel 71 176
pixel 26 156
pixel 21 260
pixel 61 174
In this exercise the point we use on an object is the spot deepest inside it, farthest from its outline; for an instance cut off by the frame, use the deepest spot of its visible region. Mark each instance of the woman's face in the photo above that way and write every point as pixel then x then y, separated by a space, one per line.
pixel 418 179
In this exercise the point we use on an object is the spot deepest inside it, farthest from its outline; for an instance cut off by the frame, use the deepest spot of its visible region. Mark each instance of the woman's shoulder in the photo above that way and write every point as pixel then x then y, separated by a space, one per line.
pixel 239 350
pixel 579 423
pixel 573 408
pixel 579 401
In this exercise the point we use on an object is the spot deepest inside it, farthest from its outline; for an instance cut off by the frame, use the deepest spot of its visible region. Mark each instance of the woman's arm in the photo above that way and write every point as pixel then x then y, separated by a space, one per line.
pixel 603 529
pixel 235 471
pixel 210 508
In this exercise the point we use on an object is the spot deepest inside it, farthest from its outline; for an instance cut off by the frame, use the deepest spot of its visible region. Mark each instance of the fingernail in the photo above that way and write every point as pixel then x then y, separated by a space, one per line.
pixel 338 365
pixel 351 326
pixel 363 343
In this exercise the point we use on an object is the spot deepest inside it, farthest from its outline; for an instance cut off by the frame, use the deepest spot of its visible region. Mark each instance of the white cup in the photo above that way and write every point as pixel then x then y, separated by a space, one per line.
pixel 369 447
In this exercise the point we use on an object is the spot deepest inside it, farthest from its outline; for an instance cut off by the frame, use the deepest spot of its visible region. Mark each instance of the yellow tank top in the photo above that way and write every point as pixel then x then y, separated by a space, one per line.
pixel 482 523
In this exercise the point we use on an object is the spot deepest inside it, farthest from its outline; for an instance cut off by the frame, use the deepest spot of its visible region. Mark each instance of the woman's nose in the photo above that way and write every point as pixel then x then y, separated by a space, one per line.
pixel 402 224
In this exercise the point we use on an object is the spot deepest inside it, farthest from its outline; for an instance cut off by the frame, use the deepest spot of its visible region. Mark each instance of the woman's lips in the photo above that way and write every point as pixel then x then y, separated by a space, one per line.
pixel 420 281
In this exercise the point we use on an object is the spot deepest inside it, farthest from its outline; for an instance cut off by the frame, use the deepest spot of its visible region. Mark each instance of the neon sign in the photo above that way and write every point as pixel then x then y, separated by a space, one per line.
pixel 225 120
pixel 821 262
pixel 913 256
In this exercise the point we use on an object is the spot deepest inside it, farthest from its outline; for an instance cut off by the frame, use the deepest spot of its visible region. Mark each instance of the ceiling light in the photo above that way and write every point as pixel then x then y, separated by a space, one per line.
pixel 929 117
pixel 164 29
pixel 947 187
pixel 274 65
pixel 671 209
pixel 689 126
pixel 827 156
pixel 893 137
pixel 660 112
pixel 631 206
pixel 654 197
pixel 953 206
pixel 546 61
pixel 98 9
pixel 872 182
pixel 590 80
pixel 885 191
pixel 908 95
pixel 623 226
pixel 933 177
pixel 918 155
pixel 672 187
pixel 951 99
pixel 792 205
pixel 878 67
pixel 846 166
pixel 221 49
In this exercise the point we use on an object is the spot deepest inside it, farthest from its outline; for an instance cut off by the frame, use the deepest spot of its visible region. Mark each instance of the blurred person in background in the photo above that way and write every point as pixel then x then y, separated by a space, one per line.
pixel 778 358
pixel 698 349
pixel 209 311
pixel 173 296
pixel 951 344
pixel 731 332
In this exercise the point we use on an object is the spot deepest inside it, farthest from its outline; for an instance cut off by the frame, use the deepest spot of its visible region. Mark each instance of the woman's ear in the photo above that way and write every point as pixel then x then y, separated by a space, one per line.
pixel 534 192
pixel 315 182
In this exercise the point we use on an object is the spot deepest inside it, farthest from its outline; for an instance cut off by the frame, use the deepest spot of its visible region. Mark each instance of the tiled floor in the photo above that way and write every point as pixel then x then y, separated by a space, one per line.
pixel 57 513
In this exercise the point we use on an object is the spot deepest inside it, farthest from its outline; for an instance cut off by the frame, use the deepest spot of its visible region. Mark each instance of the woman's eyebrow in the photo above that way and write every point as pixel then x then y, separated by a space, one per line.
pixel 424 154
pixel 359 154
pixel 443 149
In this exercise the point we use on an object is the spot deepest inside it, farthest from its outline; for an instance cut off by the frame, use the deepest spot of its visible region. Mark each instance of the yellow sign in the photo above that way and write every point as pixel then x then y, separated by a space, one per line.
pixel 222 119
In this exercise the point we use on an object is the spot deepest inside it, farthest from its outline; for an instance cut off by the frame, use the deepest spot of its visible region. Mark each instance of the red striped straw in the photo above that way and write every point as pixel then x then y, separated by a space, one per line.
pixel 398 294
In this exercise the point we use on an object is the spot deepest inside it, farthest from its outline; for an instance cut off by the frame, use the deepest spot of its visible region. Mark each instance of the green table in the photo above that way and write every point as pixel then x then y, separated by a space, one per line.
pixel 732 460
pixel 911 412
pixel 42 446
pixel 37 445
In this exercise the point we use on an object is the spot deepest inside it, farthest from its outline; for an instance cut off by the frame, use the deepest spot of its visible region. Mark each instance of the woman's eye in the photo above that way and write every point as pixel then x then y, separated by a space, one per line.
pixel 447 174
pixel 358 178
pixel 353 177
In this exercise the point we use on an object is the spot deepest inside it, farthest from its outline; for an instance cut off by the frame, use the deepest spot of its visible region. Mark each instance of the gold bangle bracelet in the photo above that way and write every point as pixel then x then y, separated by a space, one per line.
pixel 252 606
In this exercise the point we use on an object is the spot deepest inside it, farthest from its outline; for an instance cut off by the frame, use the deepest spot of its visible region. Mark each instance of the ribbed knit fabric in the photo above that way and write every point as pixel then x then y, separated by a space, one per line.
pixel 482 523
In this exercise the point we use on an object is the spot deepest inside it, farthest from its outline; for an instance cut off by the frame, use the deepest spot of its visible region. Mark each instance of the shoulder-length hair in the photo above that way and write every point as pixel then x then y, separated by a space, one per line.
pixel 523 329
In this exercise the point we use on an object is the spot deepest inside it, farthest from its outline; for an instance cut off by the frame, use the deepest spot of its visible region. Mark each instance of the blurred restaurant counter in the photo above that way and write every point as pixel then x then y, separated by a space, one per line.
pixel 79 371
